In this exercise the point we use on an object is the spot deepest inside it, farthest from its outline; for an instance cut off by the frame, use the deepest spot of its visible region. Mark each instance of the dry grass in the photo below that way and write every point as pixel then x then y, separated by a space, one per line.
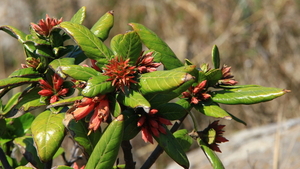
pixel 259 39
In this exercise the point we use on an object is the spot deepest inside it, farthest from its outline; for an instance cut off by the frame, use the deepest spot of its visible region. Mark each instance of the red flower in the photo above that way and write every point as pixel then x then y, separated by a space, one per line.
pixel 75 166
pixel 227 77
pixel 120 72
pixel 197 93
pixel 55 90
pixel 145 63
pixel 99 104
pixel 213 135
pixel 44 26
pixel 151 124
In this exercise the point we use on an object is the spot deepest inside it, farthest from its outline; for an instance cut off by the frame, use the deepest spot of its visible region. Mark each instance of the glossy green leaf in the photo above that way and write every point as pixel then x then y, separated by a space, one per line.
pixel 79 72
pixel 56 64
pixel 79 132
pixel 133 99
pixel 212 76
pixel 48 133
pixel 114 106
pixel 102 27
pixel 22 124
pixel 26 146
pixel 97 85
pixel 107 148
pixel 17 81
pixel 79 16
pixel 11 103
pixel 65 102
pixel 45 51
pixel 183 138
pixel 152 41
pixel 127 45
pixel 64 167
pixel 215 57
pixel 212 109
pixel 247 95
pixel 89 43
pixel 211 155
pixel 171 111
pixel 14 32
pixel 184 103
pixel 171 146
pixel 130 124
pixel 29 101
pixel 161 81
pixel 23 167
pixel 25 72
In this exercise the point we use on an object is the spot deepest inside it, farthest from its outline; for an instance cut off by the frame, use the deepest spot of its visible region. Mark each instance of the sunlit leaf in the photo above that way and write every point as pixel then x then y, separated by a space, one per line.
pixel 171 111
pixel 107 148
pixel 17 81
pixel 97 85
pixel 152 41
pixel 79 16
pixel 247 95
pixel 133 99
pixel 26 72
pixel 102 27
pixel 56 64
pixel 79 72
pixel 48 133
pixel 212 109
pixel 183 139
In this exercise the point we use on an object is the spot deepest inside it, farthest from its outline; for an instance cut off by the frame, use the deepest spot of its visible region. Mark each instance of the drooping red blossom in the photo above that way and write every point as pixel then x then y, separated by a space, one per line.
pixel 197 93
pixel 213 135
pixel 145 63
pixel 227 77
pixel 98 104
pixel 94 66
pixel 120 72
pixel 151 124
pixel 55 91
pixel 44 26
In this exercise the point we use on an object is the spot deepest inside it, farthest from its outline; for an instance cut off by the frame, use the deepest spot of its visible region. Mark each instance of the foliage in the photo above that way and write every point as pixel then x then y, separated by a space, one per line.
pixel 122 88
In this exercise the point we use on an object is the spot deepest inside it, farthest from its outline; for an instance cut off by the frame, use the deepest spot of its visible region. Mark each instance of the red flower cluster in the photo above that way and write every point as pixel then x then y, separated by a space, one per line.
pixel 54 91
pixel 227 77
pixel 120 72
pixel 44 26
pixel 197 93
pixel 151 124
pixel 213 135
pixel 99 104
pixel 145 63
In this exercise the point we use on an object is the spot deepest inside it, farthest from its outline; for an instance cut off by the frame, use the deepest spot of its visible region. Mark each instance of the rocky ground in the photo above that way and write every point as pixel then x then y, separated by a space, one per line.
pixel 272 146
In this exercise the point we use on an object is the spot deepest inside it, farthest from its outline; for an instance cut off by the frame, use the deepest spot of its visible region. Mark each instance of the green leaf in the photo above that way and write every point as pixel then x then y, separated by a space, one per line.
pixel 171 146
pixel 11 103
pixel 64 167
pixel 212 109
pixel 65 102
pixel 237 119
pixel 106 150
pixel 79 16
pixel 161 81
pixel 212 76
pixel 56 64
pixel 25 72
pixel 102 27
pixel 79 132
pixel 17 81
pixel 211 155
pixel 48 133
pixel 26 147
pixel 130 124
pixel 14 32
pixel 97 85
pixel 215 57
pixel 133 99
pixel 79 72
pixel 247 95
pixel 89 43
pixel 171 111
pixel 152 41
pixel 114 106
pixel 22 124
pixel 183 138
pixel 127 45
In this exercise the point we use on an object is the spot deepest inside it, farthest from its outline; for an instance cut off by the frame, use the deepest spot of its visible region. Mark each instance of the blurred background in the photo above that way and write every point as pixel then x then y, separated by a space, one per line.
pixel 260 40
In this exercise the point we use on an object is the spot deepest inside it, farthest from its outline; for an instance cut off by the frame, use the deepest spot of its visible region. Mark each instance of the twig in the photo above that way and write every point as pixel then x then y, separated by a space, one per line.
pixel 126 146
